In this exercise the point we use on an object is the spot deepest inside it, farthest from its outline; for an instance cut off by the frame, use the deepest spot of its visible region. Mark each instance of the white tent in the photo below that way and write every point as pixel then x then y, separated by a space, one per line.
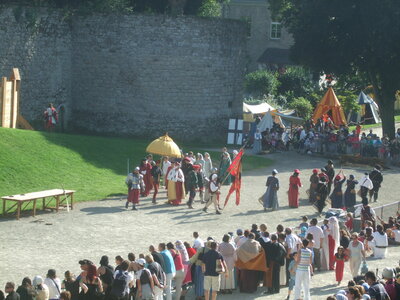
pixel 266 122
pixel 257 109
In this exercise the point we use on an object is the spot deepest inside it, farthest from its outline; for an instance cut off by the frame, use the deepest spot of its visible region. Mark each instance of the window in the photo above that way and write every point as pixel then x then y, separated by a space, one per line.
pixel 276 30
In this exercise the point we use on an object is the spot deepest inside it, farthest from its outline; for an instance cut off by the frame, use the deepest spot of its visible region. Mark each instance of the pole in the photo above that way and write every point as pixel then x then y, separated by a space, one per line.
pixel 128 167
pixel 66 198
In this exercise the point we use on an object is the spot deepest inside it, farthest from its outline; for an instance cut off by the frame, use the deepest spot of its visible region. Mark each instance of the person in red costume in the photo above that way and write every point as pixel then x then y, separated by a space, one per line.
pixel 50 117
pixel 294 185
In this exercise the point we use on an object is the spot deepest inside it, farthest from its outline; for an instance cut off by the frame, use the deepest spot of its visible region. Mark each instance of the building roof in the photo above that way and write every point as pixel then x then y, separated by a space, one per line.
pixel 275 56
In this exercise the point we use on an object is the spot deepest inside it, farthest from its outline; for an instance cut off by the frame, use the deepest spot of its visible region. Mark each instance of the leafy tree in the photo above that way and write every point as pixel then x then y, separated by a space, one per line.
pixel 296 79
pixel 348 100
pixel 348 38
pixel 210 8
pixel 260 83
pixel 303 107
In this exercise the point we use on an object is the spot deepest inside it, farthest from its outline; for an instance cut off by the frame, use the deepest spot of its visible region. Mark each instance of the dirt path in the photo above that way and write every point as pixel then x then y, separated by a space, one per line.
pixel 30 246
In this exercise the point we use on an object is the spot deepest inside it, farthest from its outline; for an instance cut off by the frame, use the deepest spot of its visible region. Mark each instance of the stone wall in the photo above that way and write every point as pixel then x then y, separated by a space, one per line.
pixel 131 75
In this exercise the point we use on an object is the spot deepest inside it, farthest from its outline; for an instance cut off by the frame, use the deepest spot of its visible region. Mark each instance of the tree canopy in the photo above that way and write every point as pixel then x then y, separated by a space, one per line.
pixel 346 38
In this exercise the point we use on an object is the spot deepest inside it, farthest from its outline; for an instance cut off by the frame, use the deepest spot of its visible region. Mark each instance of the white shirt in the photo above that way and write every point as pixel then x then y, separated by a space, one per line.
pixel 213 186
pixel 241 241
pixel 165 166
pixel 317 233
pixel 380 240
pixel 303 134
pixel 176 175
pixel 198 243
pixel 366 182
pixel 54 286
pixel 292 241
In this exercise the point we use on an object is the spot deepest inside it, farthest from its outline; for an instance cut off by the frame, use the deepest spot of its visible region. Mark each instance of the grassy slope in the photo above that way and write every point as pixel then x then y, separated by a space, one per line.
pixel 94 166
pixel 396 119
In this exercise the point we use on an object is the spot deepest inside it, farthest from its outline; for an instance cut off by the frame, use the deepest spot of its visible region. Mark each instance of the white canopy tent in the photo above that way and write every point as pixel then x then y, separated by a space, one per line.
pixel 257 109
pixel 266 122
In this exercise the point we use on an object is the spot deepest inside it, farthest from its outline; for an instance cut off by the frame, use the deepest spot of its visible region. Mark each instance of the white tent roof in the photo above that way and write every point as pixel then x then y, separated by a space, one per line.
pixel 266 122
pixel 257 109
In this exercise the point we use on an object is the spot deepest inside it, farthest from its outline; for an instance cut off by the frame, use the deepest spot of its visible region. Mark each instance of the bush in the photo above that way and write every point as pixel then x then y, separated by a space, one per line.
pixel 260 83
pixel 210 8
pixel 303 107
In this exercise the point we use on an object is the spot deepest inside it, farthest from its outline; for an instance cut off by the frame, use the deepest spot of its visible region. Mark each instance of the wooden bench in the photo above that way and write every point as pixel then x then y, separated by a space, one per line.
pixel 21 201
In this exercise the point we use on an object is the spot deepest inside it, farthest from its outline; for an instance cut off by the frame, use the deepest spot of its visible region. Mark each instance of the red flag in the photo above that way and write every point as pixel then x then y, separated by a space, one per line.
pixel 235 169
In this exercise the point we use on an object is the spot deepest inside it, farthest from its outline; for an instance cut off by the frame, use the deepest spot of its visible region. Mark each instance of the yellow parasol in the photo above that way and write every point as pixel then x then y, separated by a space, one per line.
pixel 164 145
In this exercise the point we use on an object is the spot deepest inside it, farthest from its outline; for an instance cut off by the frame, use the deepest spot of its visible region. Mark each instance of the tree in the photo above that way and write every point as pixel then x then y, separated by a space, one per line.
pixel 302 107
pixel 297 80
pixel 346 38
pixel 260 83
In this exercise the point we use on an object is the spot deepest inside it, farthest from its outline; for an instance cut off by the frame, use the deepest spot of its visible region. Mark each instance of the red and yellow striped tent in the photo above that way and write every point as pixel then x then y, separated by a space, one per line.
pixel 330 105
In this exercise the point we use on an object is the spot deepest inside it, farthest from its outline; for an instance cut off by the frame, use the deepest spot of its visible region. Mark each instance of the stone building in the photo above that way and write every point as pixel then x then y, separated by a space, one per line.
pixel 268 42
pixel 128 74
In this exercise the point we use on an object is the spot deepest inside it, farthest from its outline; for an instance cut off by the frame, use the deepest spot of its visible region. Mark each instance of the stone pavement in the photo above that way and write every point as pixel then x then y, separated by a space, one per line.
pixel 33 245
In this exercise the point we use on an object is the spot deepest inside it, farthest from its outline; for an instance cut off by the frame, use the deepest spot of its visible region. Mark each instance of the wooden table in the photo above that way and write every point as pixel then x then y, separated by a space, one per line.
pixel 21 201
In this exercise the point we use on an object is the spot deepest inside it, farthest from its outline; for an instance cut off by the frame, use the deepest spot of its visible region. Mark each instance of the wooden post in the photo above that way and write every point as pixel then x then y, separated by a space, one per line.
pixel 57 202
pixel 34 207
pixel 16 81
pixel 4 207
pixel 44 204
pixel 72 201
pixel 18 209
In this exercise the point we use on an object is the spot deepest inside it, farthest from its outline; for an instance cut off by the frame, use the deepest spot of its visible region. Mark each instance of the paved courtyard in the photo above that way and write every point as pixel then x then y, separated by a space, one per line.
pixel 33 245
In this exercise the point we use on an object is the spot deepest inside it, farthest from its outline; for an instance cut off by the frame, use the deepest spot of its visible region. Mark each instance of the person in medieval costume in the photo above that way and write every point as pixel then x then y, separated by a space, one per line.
pixel 170 167
pixel 333 240
pixel 206 184
pixel 270 198
pixel 337 193
pixel 321 194
pixel 156 177
pixel 200 183
pixel 134 181
pixel 330 171
pixel 376 178
pixel 200 160
pixel 208 166
pixel 176 188
pixel 50 117
pixel 223 175
pixel 325 246
pixel 294 185
pixel 145 170
pixel 187 166
pixel 164 167
pixel 365 186
pixel 313 186
pixel 257 142
pixel 214 194
pixel 350 193
pixel 192 184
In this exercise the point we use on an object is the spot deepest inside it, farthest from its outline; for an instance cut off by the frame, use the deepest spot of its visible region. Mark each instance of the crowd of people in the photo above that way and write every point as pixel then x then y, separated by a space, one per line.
pixel 245 261
pixel 182 178
pixel 325 137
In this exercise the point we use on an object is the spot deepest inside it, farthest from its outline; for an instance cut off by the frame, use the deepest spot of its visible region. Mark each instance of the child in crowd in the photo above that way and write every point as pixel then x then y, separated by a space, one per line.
pixel 304 222
pixel 340 259
pixel 349 221
pixel 292 270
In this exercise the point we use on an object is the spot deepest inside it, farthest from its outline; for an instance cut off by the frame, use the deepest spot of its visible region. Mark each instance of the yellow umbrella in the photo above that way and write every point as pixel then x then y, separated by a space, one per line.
pixel 164 145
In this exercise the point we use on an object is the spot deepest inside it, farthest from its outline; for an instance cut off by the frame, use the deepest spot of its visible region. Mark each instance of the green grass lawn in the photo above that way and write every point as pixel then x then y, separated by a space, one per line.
pixel 93 166
pixel 351 128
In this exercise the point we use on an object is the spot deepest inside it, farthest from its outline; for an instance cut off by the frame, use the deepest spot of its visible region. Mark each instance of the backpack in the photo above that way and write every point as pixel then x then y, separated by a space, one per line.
pixel 119 284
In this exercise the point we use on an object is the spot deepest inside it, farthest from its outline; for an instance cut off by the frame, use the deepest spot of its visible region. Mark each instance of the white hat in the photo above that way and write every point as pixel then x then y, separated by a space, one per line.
pixel 141 261
pixel 37 280
pixel 275 171
pixel 214 177
pixel 388 273
pixel 137 169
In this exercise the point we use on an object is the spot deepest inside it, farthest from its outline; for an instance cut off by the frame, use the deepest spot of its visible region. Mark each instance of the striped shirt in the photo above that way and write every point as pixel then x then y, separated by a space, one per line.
pixel 305 256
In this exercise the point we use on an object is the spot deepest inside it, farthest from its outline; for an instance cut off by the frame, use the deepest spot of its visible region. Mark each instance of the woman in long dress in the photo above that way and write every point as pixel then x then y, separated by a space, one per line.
pixel 333 240
pixel 228 252
pixel 381 242
pixel 337 193
pixel 350 193
pixel 176 189
pixel 270 198
pixel 325 246
pixel 223 167
pixel 207 165
pixel 294 185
